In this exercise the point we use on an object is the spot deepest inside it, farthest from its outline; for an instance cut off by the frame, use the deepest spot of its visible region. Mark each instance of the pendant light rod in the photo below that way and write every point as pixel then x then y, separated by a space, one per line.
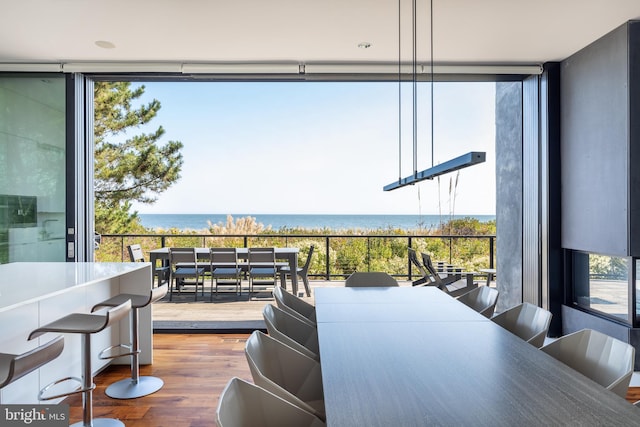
pixel 466 160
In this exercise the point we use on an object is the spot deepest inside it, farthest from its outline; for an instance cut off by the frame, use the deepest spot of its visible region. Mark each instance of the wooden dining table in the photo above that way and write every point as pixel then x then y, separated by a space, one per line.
pixel 289 254
pixel 417 357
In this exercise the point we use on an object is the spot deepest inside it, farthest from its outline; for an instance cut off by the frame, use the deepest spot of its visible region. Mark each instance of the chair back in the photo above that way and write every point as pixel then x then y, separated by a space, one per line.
pixel 292 331
pixel 370 279
pixel 606 360
pixel 261 255
pixel 158 293
pixel 285 372
pixel 20 365
pixel 529 322
pixel 223 257
pixel 135 253
pixel 305 268
pixel 242 404
pixel 294 305
pixel 482 299
pixel 182 255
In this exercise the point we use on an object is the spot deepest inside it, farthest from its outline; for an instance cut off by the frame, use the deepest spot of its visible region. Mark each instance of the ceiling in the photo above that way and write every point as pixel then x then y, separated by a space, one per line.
pixel 302 31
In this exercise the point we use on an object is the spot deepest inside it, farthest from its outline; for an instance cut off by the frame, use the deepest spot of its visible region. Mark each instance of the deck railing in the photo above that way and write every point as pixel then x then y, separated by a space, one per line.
pixel 338 255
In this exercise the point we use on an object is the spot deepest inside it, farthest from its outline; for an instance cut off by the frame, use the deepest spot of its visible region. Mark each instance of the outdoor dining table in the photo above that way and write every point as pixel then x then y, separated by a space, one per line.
pixel 416 356
pixel 288 254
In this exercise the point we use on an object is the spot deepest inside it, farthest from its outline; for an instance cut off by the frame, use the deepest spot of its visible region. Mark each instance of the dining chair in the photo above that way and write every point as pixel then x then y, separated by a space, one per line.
pixel 482 299
pixel 225 269
pixel 294 305
pixel 243 404
pixel 160 272
pixel 604 359
pixel 529 322
pixel 263 271
pixel 285 372
pixel 369 279
pixel 291 331
pixel 184 265
pixel 302 272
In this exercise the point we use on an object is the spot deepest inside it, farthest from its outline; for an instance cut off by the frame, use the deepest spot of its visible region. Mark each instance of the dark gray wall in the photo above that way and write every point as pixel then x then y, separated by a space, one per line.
pixel 595 147
pixel 509 193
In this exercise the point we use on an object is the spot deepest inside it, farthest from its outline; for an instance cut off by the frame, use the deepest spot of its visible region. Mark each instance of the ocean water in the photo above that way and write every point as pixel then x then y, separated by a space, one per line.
pixel 333 222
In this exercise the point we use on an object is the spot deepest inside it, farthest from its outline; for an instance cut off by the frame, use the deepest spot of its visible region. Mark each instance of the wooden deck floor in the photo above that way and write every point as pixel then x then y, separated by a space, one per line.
pixel 195 369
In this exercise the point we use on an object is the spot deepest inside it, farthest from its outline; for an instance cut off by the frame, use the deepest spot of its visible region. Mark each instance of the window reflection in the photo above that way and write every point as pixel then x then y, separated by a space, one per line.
pixel 601 283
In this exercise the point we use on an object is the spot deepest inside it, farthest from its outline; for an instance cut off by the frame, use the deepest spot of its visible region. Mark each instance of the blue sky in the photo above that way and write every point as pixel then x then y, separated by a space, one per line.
pixel 320 148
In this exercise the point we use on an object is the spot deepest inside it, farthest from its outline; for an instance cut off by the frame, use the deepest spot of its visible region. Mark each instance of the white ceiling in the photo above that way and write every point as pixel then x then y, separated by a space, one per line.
pixel 302 31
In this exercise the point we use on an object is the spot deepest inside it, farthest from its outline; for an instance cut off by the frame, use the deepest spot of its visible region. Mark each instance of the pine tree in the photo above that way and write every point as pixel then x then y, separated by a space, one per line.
pixel 128 168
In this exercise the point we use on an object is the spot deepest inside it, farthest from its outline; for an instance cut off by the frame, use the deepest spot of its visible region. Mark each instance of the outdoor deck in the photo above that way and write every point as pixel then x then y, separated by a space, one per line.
pixel 227 311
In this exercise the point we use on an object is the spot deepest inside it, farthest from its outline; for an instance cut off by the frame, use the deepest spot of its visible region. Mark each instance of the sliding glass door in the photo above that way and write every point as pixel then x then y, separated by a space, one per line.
pixel 32 168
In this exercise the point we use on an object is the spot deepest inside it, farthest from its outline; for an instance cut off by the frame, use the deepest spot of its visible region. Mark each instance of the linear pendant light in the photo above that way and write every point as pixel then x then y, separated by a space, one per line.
pixel 460 162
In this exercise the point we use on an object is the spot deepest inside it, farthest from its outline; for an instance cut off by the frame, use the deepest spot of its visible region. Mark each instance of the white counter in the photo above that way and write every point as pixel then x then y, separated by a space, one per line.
pixel 35 293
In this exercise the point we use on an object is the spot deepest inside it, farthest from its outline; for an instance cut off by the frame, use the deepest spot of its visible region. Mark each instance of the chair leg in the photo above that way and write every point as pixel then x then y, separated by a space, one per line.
pixel 307 287
pixel 283 280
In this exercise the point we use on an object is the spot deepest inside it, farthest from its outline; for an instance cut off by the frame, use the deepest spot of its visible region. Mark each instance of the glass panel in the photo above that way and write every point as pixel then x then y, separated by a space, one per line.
pixel 601 283
pixel 32 168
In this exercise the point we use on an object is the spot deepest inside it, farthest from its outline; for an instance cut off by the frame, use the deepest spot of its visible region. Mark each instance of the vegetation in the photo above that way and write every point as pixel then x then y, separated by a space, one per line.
pixel 128 168
pixel 348 251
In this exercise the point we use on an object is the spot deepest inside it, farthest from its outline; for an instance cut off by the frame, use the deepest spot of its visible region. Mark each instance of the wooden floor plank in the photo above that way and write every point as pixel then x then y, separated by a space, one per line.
pixel 195 369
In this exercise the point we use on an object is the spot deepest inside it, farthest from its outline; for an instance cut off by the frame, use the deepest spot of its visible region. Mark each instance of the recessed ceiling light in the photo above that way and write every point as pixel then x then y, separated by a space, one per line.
pixel 105 44
pixel 364 45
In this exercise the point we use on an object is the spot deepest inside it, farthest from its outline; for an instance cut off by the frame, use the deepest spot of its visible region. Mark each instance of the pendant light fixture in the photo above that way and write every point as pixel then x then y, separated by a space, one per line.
pixel 466 160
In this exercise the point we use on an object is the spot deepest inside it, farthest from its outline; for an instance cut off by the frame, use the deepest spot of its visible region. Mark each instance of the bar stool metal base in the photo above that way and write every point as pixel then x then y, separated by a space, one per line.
pixel 129 389
pixel 100 422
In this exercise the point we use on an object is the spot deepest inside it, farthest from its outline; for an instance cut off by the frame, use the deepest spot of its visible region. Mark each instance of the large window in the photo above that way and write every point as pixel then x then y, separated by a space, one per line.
pixel 601 283
pixel 32 168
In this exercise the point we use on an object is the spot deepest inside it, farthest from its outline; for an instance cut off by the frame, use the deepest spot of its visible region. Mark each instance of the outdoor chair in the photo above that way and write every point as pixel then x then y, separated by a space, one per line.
pixel 136 255
pixel 370 279
pixel 606 360
pixel 225 269
pixel 184 265
pixel 529 322
pixel 302 272
pixel 263 272
pixel 285 372
pixel 243 404
pixel 425 279
pixel 294 305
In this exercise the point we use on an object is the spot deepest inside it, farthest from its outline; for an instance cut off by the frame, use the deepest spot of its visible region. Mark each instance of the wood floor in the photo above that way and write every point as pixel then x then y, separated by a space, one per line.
pixel 195 369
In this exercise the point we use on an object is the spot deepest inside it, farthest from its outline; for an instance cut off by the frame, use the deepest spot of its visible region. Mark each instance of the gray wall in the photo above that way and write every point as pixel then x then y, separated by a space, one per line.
pixel 509 193
pixel 595 147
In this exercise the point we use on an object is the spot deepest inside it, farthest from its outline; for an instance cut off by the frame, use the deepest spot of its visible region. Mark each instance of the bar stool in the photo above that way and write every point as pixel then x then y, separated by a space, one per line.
pixel 136 386
pixel 16 366
pixel 85 324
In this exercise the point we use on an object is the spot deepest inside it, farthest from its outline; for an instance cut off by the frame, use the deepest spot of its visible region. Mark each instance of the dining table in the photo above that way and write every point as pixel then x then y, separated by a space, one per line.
pixel 289 254
pixel 415 356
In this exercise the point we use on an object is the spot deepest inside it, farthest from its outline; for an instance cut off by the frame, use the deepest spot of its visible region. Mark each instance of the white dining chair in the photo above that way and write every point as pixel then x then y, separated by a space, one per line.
pixel 242 404
pixel 291 331
pixel 302 272
pixel 606 360
pixel 370 279
pixel 285 372
pixel 529 322
pixel 294 305
pixel 482 299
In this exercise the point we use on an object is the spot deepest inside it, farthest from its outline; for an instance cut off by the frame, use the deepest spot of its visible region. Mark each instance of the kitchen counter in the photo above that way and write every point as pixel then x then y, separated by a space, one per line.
pixel 35 293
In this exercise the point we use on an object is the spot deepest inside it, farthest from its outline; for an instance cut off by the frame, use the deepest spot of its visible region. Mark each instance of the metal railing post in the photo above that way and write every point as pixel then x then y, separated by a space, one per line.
pixel 327 263
pixel 491 252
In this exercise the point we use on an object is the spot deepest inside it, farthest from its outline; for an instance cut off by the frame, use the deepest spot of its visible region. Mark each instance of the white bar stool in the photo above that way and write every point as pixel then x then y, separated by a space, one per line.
pixel 136 386
pixel 16 366
pixel 84 324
